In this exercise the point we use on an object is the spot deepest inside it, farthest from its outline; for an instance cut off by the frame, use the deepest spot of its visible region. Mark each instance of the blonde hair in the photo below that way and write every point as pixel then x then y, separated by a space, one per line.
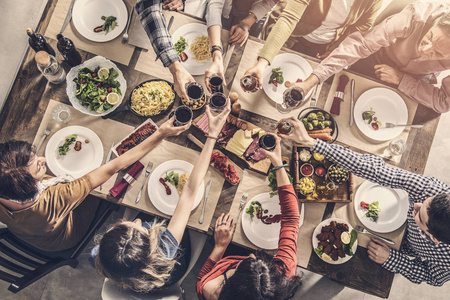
pixel 134 260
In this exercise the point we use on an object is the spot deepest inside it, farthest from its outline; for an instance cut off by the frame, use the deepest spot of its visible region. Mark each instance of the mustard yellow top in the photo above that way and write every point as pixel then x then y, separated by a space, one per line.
pixel 50 224
pixel 292 19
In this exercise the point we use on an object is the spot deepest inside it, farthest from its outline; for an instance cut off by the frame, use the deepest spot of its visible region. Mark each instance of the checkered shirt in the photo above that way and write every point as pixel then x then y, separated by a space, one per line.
pixel 154 23
pixel 419 259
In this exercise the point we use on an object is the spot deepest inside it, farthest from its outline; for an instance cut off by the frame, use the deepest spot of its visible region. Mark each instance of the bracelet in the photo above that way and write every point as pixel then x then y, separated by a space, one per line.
pixel 277 168
pixel 211 137
pixel 216 48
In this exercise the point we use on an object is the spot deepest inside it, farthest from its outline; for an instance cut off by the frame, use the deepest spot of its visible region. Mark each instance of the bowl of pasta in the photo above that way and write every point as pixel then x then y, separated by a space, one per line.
pixel 152 98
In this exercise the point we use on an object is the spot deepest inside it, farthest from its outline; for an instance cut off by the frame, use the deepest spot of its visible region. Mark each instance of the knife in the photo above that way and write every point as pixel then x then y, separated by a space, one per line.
pixel 108 158
pixel 302 215
pixel 168 28
pixel 352 99
pixel 148 170
pixel 208 186
pixel 68 16
pixel 339 95
pixel 313 101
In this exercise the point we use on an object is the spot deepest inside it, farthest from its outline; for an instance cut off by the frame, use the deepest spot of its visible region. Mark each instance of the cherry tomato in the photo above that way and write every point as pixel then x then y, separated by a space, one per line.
pixel 94 74
pixel 99 84
pixel 83 80
pixel 109 90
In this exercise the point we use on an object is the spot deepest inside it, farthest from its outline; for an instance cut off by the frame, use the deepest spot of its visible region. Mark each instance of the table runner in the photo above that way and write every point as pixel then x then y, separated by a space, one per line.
pixel 346 211
pixel 259 102
pixel 352 136
pixel 113 50
pixel 163 152
pixel 255 184
pixel 108 131
pixel 147 64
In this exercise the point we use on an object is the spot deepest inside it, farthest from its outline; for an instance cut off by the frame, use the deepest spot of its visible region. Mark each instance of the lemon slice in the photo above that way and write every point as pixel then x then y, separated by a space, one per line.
pixel 318 156
pixel 103 73
pixel 326 257
pixel 345 237
pixel 113 98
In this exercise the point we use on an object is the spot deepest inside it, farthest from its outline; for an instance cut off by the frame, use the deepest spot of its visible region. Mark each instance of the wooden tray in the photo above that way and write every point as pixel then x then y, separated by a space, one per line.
pixel 343 194
pixel 261 166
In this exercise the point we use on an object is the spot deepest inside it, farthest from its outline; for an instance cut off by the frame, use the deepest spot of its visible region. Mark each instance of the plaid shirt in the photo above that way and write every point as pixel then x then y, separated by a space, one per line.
pixel 419 259
pixel 154 23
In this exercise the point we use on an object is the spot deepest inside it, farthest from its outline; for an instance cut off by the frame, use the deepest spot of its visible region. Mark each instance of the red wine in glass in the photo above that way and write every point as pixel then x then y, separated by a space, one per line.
pixel 249 83
pixel 292 98
pixel 267 142
pixel 216 83
pixel 195 91
pixel 218 102
pixel 183 115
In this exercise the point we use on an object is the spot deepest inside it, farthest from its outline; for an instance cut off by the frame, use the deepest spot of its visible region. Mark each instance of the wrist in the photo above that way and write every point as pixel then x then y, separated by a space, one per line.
pixel 175 68
pixel 217 56
pixel 161 133
pixel 276 162
pixel 262 62
pixel 309 142
pixel 249 20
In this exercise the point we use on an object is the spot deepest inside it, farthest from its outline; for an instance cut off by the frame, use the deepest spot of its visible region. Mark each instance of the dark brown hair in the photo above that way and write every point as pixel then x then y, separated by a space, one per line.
pixel 16 183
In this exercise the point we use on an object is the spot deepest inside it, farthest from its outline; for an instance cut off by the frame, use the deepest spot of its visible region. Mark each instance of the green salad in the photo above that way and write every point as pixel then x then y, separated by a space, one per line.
pixel 98 90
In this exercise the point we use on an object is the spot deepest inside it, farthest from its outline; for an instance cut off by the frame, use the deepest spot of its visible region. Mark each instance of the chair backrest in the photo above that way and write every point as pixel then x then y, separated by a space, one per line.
pixel 173 292
pixel 39 263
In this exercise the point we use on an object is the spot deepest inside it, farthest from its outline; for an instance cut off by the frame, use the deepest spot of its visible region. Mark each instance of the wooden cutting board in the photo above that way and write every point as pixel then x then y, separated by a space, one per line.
pixel 261 166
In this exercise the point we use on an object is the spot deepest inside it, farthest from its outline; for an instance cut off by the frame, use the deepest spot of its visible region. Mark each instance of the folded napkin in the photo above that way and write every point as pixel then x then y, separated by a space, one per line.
pixel 120 187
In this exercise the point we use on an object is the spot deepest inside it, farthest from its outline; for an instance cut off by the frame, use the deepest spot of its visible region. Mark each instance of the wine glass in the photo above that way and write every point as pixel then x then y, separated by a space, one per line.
pixel 292 98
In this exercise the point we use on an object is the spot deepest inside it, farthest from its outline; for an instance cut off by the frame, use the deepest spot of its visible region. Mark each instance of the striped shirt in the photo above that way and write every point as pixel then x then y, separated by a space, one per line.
pixel 419 259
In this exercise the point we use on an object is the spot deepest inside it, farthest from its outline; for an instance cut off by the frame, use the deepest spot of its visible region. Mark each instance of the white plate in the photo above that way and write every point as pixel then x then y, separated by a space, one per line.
pixel 388 107
pixel 93 63
pixel 394 206
pixel 190 32
pixel 264 236
pixel 86 15
pixel 293 67
pixel 75 163
pixel 157 193
pixel 315 241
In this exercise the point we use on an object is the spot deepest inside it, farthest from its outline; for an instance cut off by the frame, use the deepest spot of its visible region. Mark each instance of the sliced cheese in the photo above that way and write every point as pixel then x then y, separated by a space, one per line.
pixel 256 130
pixel 261 133
pixel 240 141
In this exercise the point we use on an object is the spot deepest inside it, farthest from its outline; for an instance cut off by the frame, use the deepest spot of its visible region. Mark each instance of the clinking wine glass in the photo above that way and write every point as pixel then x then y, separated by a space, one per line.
pixel 195 91
pixel 217 102
pixel 292 98
pixel 216 83
pixel 183 115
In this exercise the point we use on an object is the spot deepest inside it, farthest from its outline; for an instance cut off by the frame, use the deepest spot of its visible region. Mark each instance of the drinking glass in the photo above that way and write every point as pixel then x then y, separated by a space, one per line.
pixel 292 98
pixel 397 147
pixel 216 83
pixel 217 102
pixel 267 142
pixel 183 115
pixel 195 91
pixel 61 113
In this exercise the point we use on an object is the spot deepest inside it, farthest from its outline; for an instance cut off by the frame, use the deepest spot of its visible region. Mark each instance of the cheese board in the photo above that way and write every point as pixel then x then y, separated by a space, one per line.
pixel 240 138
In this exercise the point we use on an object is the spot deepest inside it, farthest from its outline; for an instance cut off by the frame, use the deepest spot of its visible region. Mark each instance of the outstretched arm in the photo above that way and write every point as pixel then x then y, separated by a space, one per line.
pixel 180 217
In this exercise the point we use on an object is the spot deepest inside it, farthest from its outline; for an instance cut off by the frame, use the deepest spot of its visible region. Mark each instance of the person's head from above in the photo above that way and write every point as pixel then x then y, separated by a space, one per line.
pixel 129 255
pixel 20 171
pixel 257 278
pixel 435 45
pixel 433 218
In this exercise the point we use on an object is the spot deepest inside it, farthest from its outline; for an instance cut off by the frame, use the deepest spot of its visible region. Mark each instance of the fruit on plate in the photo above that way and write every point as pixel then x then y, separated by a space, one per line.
pixel 113 98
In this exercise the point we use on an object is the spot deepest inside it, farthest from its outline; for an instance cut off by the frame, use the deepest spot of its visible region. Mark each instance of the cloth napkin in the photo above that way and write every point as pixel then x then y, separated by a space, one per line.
pixel 120 187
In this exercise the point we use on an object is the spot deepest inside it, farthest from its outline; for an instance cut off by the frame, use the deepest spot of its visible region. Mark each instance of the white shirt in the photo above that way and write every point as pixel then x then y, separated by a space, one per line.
pixel 336 17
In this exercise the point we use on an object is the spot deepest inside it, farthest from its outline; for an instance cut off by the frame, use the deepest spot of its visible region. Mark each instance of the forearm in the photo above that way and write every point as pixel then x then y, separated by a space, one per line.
pixel 214 33
pixel 261 7
pixel 415 270
pixel 217 253
pixel 426 94
pixel 183 210
pixel 150 12
pixel 214 12
pixel 103 173
pixel 283 28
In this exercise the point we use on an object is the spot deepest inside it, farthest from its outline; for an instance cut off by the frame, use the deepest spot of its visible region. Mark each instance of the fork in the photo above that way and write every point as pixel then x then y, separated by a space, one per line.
pixel 365 231
pixel 313 101
pixel 46 134
pixel 392 125
pixel 241 205
pixel 148 170
pixel 125 35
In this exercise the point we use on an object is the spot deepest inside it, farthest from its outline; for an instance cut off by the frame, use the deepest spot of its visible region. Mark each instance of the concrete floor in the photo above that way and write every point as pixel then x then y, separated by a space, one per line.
pixel 84 283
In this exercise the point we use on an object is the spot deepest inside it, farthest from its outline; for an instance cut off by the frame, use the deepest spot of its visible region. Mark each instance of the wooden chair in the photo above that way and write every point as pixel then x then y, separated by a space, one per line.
pixel 23 264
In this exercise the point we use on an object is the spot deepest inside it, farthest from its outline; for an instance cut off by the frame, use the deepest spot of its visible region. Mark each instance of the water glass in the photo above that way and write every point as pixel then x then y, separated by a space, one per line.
pixel 397 147
pixel 61 113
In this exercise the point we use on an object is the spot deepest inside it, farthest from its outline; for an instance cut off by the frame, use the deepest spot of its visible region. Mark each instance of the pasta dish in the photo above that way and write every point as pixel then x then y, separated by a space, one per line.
pixel 200 48
pixel 181 182
pixel 151 98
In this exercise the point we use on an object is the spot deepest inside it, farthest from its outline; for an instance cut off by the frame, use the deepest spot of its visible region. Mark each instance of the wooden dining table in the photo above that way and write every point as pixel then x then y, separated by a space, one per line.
pixel 30 95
